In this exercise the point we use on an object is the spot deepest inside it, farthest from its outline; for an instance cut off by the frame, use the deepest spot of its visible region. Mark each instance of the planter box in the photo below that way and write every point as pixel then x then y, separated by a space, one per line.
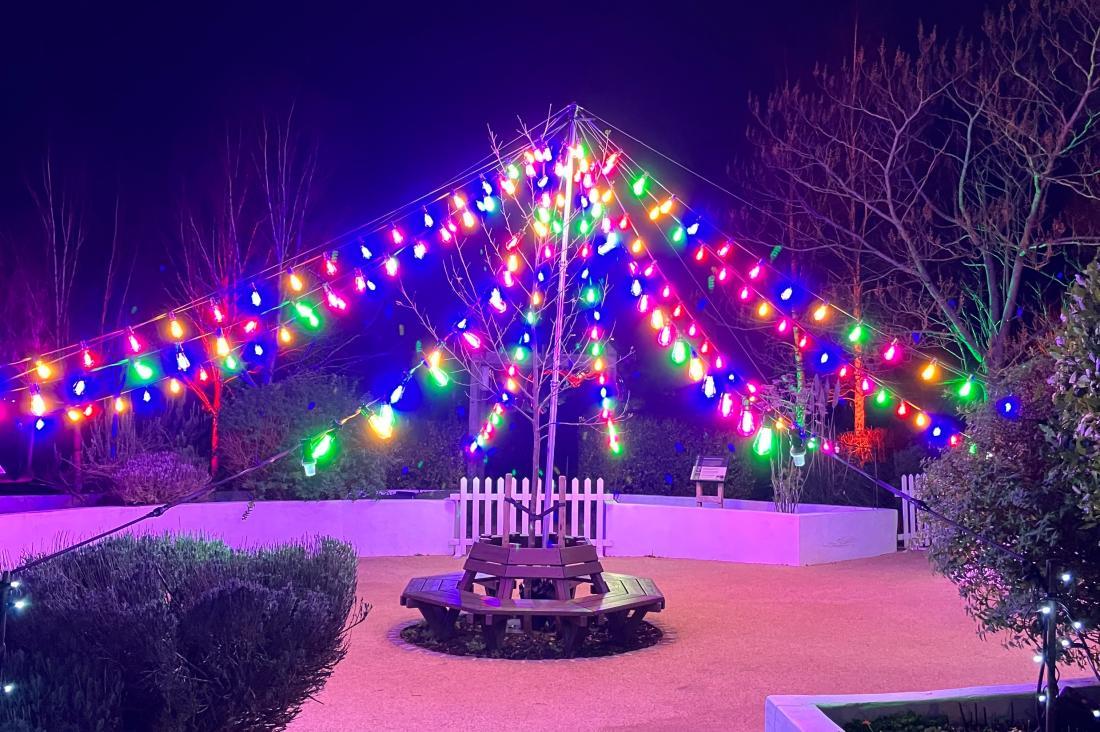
pixel 373 528
pixel 741 531
pixel 747 531
pixel 828 713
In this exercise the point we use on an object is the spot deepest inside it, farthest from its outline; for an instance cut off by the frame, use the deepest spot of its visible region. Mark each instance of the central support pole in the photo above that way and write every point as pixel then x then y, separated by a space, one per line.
pixel 555 373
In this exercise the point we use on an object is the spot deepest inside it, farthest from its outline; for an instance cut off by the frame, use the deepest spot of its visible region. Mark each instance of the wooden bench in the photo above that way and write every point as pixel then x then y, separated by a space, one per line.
pixel 620 600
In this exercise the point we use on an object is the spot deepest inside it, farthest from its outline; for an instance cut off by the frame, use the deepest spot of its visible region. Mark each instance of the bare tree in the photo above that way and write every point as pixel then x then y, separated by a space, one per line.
pixel 518 329
pixel 219 245
pixel 63 235
pixel 286 167
pixel 949 176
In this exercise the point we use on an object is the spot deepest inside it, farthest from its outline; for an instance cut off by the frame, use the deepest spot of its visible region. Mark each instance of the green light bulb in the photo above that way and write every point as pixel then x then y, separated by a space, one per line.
pixel 762 445
pixel 855 335
pixel 881 398
pixel 639 186
pixel 967 389
pixel 679 352
pixel 440 376
pixel 143 370
pixel 322 447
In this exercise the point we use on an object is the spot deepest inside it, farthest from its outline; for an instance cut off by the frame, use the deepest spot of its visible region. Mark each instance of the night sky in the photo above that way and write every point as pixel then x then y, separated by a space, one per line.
pixel 133 101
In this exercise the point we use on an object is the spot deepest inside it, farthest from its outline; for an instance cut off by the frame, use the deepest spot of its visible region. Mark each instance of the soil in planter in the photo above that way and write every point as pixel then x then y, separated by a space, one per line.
pixel 911 722
pixel 530 646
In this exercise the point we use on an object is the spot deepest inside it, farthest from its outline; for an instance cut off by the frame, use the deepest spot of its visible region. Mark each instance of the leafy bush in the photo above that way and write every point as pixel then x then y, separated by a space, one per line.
pixel 261 421
pixel 177 634
pixel 155 477
pixel 426 453
pixel 658 456
pixel 1029 483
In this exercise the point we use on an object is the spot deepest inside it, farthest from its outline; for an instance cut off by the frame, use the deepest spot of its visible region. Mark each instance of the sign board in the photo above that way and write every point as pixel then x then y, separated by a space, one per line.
pixel 709 469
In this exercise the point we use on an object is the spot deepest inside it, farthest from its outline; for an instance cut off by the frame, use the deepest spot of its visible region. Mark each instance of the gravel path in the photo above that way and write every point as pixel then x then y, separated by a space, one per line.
pixel 735 633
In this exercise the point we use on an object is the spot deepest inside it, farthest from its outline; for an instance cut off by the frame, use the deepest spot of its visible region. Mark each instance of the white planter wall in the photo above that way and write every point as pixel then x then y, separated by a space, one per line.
pixel 747 531
pixel 743 531
pixel 373 528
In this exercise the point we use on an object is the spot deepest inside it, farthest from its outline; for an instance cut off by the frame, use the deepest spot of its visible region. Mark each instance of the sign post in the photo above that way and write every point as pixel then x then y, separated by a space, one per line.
pixel 709 469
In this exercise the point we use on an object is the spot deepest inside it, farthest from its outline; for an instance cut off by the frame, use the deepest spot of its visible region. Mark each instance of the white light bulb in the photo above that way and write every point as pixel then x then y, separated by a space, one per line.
pixel 9 688
pixel 19 604
pixel 1037 658
pixel 1067 578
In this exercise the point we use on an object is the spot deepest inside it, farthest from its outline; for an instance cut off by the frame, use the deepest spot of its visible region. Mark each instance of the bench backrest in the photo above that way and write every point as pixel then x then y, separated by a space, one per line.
pixel 517 562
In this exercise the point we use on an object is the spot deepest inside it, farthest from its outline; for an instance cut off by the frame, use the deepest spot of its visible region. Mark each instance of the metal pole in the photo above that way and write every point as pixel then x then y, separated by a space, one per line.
pixel 5 602
pixel 555 374
pixel 1050 649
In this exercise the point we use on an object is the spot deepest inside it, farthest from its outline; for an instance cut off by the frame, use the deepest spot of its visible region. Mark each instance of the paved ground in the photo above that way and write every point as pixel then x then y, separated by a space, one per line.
pixel 736 633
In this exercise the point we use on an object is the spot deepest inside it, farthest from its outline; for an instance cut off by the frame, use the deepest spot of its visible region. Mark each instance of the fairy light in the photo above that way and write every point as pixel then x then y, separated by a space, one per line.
pixel 929 371
pixel 296 283
pixel 175 328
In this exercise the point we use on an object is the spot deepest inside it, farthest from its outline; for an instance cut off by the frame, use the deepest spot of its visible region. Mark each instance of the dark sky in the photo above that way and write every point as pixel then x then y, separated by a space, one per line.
pixel 133 99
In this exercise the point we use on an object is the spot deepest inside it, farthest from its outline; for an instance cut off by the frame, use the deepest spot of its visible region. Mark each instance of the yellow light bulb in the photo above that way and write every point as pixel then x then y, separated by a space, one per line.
pixel 929 371
pixel 821 312
pixel 763 310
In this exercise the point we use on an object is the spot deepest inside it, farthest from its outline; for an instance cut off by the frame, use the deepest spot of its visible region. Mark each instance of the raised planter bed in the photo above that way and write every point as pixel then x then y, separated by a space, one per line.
pixel 740 531
pixel 373 528
pixel 827 713
pixel 747 531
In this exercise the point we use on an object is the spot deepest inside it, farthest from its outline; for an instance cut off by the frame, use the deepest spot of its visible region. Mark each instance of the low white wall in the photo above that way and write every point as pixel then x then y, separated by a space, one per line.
pixel 808 713
pixel 374 528
pixel 747 531
pixel 742 531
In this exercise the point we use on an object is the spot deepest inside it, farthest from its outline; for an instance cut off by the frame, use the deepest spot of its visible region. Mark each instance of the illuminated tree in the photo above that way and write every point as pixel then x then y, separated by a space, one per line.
pixel 535 328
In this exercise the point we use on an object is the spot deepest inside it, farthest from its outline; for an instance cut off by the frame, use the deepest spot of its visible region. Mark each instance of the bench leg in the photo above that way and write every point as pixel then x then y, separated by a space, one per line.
pixel 441 621
pixel 492 632
pixel 625 624
pixel 571 635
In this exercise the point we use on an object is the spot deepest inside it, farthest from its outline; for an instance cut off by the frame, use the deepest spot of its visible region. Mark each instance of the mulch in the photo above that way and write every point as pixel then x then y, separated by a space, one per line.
pixel 531 646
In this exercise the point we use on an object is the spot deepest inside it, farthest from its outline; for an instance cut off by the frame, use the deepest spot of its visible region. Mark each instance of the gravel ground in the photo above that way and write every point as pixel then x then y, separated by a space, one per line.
pixel 734 633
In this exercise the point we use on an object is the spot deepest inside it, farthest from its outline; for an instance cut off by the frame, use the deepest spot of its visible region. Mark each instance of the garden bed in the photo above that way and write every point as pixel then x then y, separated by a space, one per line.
pixel 986 705
pixel 533 646
pixel 636 525
pixel 747 531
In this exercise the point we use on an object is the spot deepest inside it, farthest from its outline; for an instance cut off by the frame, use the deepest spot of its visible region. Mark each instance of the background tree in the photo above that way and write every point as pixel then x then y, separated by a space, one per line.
pixel 958 173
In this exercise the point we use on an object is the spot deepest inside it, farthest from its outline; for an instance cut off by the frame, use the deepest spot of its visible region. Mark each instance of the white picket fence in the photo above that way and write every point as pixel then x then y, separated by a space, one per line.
pixel 482 510
pixel 914 533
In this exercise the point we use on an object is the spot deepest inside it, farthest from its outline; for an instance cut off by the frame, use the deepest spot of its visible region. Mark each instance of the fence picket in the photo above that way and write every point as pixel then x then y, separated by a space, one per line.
pixel 599 536
pixel 483 509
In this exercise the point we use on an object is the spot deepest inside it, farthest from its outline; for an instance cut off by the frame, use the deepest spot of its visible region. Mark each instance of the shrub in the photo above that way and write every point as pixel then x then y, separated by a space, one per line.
pixel 261 421
pixel 658 456
pixel 155 477
pixel 1029 483
pixel 426 453
pixel 178 634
